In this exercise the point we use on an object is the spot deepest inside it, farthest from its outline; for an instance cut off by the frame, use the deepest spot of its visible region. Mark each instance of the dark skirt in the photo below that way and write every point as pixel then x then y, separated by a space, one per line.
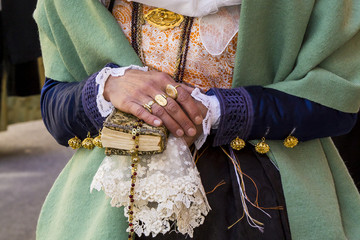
pixel 215 167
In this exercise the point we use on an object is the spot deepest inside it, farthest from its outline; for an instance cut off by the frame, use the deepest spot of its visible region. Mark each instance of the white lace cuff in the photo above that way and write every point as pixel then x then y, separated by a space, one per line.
pixel 212 118
pixel 105 107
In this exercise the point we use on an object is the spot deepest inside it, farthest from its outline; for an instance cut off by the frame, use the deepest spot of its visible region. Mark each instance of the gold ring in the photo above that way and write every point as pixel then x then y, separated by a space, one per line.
pixel 150 103
pixel 148 106
pixel 161 99
pixel 171 91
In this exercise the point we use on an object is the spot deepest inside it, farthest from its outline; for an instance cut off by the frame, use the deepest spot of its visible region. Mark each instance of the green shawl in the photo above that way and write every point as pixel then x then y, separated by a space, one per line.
pixel 306 48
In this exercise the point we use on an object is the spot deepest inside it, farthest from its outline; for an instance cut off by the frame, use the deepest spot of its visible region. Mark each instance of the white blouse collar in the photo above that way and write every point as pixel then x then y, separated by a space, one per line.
pixel 191 8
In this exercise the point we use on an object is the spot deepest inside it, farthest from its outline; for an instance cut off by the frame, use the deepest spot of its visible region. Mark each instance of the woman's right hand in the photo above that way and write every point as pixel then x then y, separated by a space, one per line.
pixel 130 92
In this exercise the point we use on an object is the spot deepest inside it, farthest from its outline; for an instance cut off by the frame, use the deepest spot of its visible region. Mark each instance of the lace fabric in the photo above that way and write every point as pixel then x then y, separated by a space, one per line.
pixel 212 118
pixel 168 194
pixel 217 30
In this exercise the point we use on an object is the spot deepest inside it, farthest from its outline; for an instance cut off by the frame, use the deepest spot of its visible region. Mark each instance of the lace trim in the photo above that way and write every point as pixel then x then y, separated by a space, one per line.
pixel 212 118
pixel 168 195
pixel 105 107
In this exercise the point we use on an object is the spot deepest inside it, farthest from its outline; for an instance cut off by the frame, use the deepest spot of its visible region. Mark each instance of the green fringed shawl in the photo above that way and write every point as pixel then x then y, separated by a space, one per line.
pixel 307 48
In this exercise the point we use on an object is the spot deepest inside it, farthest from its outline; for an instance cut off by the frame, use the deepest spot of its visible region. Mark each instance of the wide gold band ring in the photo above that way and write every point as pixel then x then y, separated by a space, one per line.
pixel 171 91
pixel 161 99
pixel 148 106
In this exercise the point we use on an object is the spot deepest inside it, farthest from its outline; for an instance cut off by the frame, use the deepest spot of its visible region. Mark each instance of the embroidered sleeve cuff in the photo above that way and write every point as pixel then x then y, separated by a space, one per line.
pixel 236 114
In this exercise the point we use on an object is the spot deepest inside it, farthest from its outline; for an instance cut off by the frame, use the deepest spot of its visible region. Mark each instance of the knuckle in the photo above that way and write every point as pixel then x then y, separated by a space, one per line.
pixel 158 111
pixel 138 92
pixel 183 97
pixel 172 107
pixel 147 118
pixel 148 85
pixel 186 124
pixel 139 112
pixel 163 77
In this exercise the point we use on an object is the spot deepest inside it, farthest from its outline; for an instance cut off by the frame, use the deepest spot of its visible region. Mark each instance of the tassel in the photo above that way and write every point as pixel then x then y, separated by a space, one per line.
pixel 244 199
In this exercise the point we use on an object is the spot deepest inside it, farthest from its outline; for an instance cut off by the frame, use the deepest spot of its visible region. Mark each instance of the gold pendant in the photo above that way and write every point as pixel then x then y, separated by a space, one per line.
pixel 262 147
pixel 237 144
pixel 163 19
pixel 88 142
pixel 97 142
pixel 74 143
pixel 290 142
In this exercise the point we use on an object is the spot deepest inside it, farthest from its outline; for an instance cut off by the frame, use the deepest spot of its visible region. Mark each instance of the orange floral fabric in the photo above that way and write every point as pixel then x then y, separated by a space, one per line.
pixel 160 48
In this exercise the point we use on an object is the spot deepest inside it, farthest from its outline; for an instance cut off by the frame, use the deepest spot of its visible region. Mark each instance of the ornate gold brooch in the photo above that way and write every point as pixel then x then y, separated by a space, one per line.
pixel 163 19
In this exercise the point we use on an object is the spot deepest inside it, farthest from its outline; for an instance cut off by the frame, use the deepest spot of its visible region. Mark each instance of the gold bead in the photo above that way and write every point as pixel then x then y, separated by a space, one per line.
pixel 74 143
pixel 262 147
pixel 88 142
pixel 290 141
pixel 135 159
pixel 237 144
pixel 97 142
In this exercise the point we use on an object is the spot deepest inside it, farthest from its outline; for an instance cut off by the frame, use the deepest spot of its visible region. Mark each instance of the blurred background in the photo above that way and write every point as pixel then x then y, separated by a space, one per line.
pixel 30 159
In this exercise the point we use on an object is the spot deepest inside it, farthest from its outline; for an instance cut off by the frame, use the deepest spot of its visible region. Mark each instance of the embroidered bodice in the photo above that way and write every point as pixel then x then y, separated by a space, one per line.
pixel 160 48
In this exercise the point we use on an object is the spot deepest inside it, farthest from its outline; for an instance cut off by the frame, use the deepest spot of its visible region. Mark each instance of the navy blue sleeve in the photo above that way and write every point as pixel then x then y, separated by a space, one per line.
pixel 69 109
pixel 281 113
pixel 254 112
pixel 62 110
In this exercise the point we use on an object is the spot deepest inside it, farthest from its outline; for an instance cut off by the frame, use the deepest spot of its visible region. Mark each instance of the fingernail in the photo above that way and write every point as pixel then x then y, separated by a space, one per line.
pixel 179 132
pixel 191 132
pixel 198 120
pixel 157 122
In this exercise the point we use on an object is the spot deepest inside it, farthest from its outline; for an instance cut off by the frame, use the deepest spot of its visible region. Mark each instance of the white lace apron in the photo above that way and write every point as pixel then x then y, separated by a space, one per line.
pixel 168 195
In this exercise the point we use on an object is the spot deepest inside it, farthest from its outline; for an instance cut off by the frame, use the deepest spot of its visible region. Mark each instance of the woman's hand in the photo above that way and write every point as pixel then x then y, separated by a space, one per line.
pixel 199 128
pixel 130 92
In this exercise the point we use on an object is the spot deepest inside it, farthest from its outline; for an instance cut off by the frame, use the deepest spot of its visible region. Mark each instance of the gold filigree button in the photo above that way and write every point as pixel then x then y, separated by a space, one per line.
pixel 290 141
pixel 88 142
pixel 163 19
pixel 237 144
pixel 74 143
pixel 97 141
pixel 262 147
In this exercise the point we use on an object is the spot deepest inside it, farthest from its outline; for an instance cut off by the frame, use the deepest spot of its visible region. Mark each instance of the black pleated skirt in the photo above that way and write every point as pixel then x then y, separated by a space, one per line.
pixel 262 183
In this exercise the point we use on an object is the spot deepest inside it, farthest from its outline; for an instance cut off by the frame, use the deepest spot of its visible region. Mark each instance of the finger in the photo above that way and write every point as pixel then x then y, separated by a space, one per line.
pixel 142 113
pixel 172 115
pixel 177 113
pixel 189 89
pixel 167 120
pixel 188 103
